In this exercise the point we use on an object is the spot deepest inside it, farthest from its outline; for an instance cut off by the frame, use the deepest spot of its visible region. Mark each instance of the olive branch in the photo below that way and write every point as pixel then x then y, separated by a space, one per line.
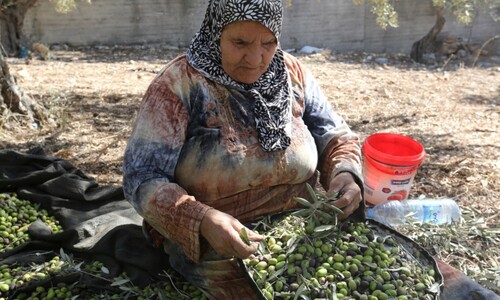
pixel 320 213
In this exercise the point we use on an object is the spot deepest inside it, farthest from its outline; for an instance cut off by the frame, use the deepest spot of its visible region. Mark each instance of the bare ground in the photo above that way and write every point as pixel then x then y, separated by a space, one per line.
pixel 451 109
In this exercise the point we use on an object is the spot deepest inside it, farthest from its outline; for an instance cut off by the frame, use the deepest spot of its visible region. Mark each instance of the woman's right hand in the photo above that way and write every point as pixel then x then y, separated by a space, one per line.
pixel 222 232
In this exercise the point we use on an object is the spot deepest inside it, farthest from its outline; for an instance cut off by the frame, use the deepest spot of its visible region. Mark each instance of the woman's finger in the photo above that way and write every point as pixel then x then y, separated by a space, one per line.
pixel 253 236
pixel 348 210
pixel 242 250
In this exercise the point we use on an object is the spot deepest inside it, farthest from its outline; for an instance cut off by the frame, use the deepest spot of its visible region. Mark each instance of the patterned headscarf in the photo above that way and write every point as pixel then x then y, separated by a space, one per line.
pixel 271 92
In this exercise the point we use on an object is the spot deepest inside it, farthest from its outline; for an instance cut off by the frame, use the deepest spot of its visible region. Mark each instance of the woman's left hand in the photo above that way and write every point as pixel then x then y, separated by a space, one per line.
pixel 349 191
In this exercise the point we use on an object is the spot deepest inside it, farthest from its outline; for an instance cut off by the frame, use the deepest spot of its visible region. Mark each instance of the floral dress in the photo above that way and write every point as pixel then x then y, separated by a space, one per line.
pixel 194 146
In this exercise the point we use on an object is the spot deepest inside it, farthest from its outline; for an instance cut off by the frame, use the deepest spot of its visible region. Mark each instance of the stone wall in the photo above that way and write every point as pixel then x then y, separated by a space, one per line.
pixel 335 24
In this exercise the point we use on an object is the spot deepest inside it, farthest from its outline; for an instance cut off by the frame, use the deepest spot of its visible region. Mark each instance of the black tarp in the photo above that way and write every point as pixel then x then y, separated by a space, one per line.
pixel 98 223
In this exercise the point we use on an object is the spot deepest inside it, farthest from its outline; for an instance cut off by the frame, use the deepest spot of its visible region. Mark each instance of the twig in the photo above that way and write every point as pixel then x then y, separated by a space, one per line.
pixel 3 50
pixel 103 150
pixel 173 284
pixel 448 60
pixel 481 49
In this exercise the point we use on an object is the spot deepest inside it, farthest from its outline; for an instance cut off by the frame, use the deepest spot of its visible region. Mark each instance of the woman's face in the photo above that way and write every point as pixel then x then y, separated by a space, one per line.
pixel 247 49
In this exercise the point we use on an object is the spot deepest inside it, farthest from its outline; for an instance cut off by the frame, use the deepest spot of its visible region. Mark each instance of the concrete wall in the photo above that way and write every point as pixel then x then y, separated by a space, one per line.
pixel 335 24
pixel 116 21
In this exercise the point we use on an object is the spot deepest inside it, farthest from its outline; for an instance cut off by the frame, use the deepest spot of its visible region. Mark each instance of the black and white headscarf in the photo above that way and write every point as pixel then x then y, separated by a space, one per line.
pixel 271 92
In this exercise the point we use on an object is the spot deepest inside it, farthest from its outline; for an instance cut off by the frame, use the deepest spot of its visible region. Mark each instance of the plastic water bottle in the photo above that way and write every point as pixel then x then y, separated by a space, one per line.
pixel 437 211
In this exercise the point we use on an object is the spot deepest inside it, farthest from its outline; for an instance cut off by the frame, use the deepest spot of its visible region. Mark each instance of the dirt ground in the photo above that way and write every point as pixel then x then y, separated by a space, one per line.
pixel 453 110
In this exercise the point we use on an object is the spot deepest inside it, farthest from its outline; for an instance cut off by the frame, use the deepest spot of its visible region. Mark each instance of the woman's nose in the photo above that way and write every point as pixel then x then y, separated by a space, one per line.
pixel 254 56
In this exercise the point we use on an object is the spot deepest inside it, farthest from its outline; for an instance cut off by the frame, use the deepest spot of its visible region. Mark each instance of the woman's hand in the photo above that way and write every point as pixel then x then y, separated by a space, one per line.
pixel 350 193
pixel 222 231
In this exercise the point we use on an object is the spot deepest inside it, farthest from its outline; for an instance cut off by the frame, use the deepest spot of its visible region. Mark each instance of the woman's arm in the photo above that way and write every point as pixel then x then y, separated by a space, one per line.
pixel 149 164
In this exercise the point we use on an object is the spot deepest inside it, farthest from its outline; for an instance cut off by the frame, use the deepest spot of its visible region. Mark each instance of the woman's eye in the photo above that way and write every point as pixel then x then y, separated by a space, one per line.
pixel 270 43
pixel 239 43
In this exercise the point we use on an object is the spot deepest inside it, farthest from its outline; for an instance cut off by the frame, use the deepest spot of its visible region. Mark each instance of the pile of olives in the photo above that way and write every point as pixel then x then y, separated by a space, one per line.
pixel 13 278
pixel 16 216
pixel 17 276
pixel 36 280
pixel 301 257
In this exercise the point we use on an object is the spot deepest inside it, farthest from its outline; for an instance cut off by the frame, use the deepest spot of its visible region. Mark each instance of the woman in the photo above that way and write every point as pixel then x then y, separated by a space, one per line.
pixel 231 131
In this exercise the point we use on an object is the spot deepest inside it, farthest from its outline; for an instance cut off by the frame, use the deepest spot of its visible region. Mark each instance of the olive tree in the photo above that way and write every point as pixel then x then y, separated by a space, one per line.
pixel 13 102
pixel 464 11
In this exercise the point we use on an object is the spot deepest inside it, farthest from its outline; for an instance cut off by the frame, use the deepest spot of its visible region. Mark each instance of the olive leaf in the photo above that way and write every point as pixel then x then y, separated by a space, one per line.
pixel 324 228
pixel 262 248
pixel 334 196
pixel 302 213
pixel 244 236
pixel 435 288
pixel 276 274
pixel 303 202
pixel 329 218
pixel 312 192
pixel 120 281
pixel 335 209
pixel 66 257
pixel 299 291
pixel 322 235
pixel 292 241
pixel 292 244
pixel 319 207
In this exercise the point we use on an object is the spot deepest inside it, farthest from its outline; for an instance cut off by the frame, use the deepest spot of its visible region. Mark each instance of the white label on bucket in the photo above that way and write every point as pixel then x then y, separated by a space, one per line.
pixel 381 186
pixel 400 182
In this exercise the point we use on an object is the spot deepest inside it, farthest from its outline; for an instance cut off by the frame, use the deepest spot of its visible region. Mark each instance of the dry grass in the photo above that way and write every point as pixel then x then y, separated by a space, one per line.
pixel 453 111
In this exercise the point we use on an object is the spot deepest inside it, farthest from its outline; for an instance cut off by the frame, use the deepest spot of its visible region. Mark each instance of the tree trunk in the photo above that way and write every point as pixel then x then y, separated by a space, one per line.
pixel 421 46
pixel 14 103
pixel 12 14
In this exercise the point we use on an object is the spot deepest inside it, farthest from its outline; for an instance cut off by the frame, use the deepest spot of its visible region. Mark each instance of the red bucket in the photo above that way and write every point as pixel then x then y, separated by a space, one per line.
pixel 390 164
